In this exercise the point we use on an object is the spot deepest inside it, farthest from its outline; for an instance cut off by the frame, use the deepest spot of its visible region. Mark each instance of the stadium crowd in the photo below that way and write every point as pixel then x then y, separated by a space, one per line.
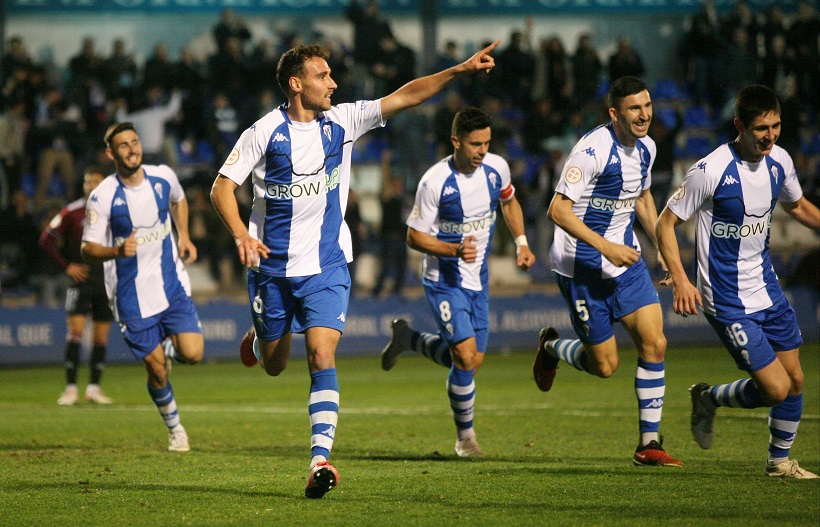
pixel 541 97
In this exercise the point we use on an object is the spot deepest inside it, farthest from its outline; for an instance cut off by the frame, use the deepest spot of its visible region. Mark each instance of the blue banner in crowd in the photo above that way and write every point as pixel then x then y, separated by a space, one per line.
pixel 36 335
pixel 331 7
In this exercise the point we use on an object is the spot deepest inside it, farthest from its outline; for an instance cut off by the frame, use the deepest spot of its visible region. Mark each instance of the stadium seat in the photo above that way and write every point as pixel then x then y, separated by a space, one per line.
pixel 697 117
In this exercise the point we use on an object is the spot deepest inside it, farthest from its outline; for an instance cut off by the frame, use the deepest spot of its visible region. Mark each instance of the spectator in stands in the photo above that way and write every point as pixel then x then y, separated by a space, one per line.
pixel 703 47
pixel 558 73
pixel 228 72
pixel 516 65
pixel 18 241
pixel 586 70
pixel 190 80
pixel 773 24
pixel 119 72
pixel 443 122
pixel 625 61
pixel 17 88
pixel 159 69
pixel 149 119
pixel 777 67
pixel 60 146
pixel 392 230
pixel 16 56
pixel 85 298
pixel 230 26
pixel 742 17
pixel 803 41
pixel 394 67
pixel 740 66
pixel 358 232
pixel 86 64
pixel 369 28
pixel 223 125
pixel 14 127
pixel 541 123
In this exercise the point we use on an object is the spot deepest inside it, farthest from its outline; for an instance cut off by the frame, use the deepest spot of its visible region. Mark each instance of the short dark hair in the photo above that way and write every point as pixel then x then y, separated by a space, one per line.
pixel 115 129
pixel 753 101
pixel 469 120
pixel 95 169
pixel 292 63
pixel 622 88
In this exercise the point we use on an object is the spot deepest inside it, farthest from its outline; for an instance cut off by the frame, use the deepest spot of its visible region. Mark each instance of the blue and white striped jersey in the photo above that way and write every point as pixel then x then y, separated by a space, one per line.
pixel 141 286
pixel 604 179
pixel 450 206
pixel 732 202
pixel 301 178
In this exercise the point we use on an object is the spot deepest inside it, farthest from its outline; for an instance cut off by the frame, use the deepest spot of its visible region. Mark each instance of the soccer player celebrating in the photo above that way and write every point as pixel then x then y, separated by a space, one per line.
pixel 86 296
pixel 297 243
pixel 129 229
pixel 452 223
pixel 732 193
pixel 597 261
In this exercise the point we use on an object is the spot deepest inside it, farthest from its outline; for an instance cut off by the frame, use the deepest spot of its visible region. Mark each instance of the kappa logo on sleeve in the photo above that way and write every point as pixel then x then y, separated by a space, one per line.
pixel 233 158
pixel 574 175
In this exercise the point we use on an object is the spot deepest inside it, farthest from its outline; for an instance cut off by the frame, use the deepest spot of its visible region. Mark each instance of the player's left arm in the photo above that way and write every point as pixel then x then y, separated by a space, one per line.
pixel 419 90
pixel 179 211
pixel 805 212
pixel 514 218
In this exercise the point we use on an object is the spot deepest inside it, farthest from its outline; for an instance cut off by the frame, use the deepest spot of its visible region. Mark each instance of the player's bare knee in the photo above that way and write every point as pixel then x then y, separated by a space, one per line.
pixel 774 395
pixel 273 369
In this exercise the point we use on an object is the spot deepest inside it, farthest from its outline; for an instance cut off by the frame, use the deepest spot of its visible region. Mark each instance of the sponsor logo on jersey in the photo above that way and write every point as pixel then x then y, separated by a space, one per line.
pixel 279 137
pixel 611 205
pixel 614 160
pixel 589 151
pixel 479 225
pixel 119 202
pixel 655 403
pixel 680 193
pixel 94 198
pixel 702 166
pixel 729 180
pixel 341 317
pixel 154 236
pixel 233 157
pixel 574 175
pixel 720 229
pixel 449 190
pixel 298 190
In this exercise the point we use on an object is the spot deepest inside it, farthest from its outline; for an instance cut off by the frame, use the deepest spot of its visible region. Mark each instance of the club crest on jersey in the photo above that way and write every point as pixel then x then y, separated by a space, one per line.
pixel 574 175
pixel 774 173
pixel 233 157
pixel 493 179
pixel 326 129
pixel 157 189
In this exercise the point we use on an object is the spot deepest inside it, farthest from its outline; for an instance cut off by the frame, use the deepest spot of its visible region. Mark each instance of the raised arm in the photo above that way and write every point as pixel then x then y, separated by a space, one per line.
pixel 419 90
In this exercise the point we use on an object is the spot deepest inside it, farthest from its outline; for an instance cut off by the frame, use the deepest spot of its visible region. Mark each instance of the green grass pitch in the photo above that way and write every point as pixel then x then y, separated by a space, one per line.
pixel 560 458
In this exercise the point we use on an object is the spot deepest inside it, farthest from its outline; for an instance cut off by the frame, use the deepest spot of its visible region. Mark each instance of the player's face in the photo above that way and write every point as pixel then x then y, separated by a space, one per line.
pixel 126 151
pixel 91 181
pixel 632 117
pixel 758 139
pixel 317 85
pixel 469 151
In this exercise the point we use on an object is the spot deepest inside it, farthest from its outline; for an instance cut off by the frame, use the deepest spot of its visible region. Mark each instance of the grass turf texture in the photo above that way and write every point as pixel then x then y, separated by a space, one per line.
pixel 560 458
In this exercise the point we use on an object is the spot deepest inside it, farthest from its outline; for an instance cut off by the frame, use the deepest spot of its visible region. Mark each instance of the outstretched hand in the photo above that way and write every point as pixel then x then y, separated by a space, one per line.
pixel 482 60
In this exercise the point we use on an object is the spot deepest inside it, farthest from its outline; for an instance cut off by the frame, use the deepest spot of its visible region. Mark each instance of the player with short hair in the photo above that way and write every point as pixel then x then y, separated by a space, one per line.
pixel 732 193
pixel 297 243
pixel 85 297
pixel 597 261
pixel 452 222
pixel 129 228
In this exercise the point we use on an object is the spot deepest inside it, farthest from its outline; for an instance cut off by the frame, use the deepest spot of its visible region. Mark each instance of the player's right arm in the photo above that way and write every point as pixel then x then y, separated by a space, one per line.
pixel 95 252
pixel 686 297
pixel 223 198
pixel 560 212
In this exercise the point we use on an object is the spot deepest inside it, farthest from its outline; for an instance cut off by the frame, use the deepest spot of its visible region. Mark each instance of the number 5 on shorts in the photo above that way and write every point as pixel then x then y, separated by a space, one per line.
pixel 581 308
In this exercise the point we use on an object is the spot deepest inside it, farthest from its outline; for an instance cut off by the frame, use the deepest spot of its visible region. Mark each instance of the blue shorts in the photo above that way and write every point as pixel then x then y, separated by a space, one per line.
pixel 754 339
pixel 595 304
pixel 460 313
pixel 282 305
pixel 145 334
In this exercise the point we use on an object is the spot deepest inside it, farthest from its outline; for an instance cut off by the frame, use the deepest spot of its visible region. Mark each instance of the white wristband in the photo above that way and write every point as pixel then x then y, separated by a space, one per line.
pixel 521 241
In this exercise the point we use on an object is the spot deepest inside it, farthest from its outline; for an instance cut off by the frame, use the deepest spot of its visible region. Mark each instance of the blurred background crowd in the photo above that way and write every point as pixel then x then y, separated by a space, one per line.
pixel 190 108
